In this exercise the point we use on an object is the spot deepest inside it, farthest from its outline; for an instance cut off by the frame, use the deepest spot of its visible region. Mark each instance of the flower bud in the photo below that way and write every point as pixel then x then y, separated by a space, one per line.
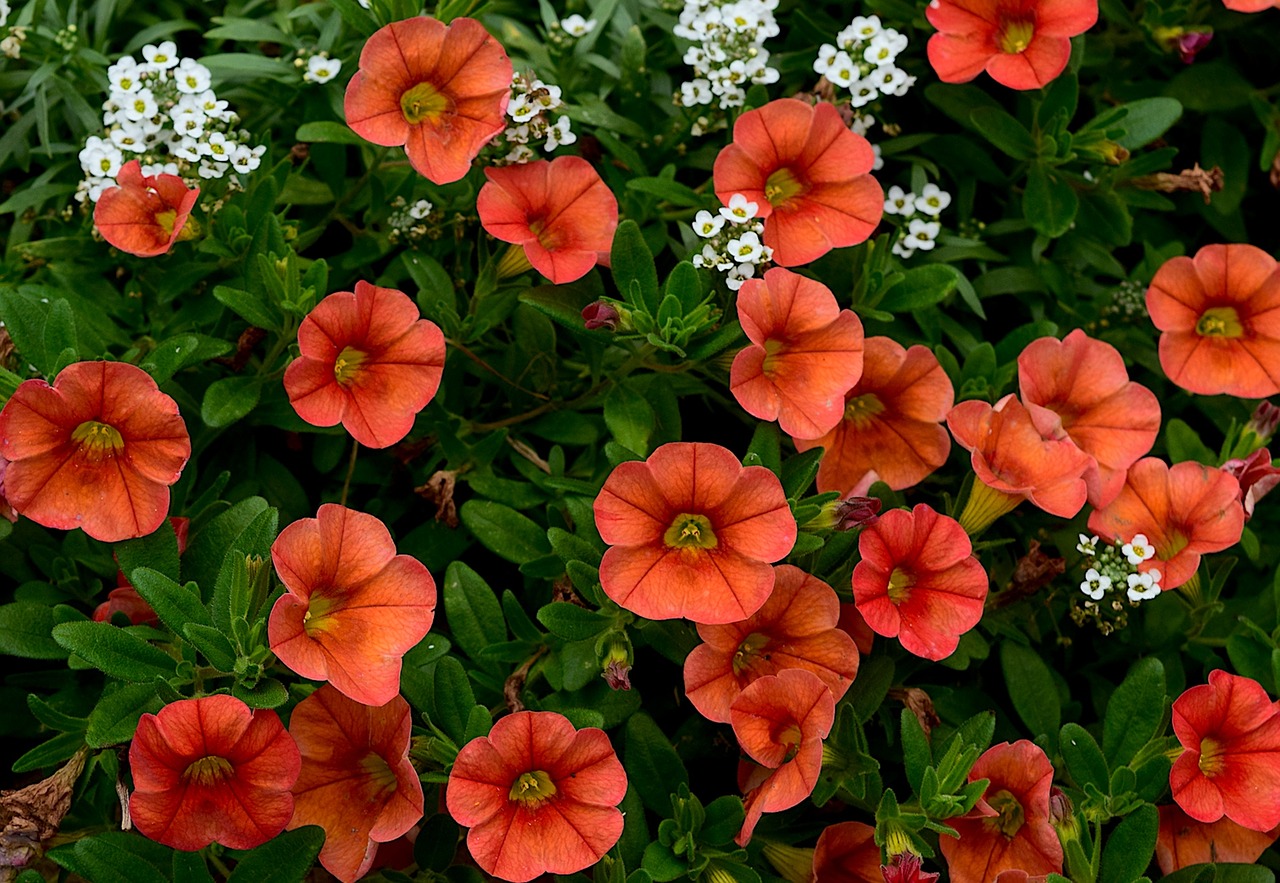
pixel 601 314
pixel 857 512
pixel 905 868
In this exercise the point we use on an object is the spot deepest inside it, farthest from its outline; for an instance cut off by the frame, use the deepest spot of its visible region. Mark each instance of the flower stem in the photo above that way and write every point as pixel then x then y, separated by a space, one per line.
pixel 351 468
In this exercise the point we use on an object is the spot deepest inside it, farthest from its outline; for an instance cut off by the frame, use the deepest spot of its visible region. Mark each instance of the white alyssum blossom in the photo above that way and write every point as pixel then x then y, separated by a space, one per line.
pixel 321 69
pixel 899 202
pixel 696 91
pixel 1095 584
pixel 191 77
pixel 728 54
pixel 732 241
pixel 932 200
pixel 1143 586
pixel 532 121
pixel 577 26
pixel 922 235
pixel 739 211
pixel 558 134
pixel 161 57
pixel 862 60
pixel 4 12
pixel 1088 545
pixel 125 75
pixel 706 224
pixel 410 220
pixel 1138 549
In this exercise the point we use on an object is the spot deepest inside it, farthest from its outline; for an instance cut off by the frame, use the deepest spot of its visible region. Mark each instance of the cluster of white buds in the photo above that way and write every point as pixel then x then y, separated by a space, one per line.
pixel 1114 575
pixel 411 221
pixel 529 110
pixel 320 68
pixel 11 45
pixel 162 113
pixel 1129 300
pixel 920 233
pixel 862 61
pixel 733 244
pixel 729 53
pixel 577 26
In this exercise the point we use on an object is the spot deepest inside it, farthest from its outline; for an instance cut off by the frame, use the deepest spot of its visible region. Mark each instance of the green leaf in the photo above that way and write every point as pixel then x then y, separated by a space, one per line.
pixel 175 604
pixel 630 418
pixel 327 132
pixel 114 650
pixel 229 399
pixel 1084 758
pixel 472 610
pixel 652 765
pixel 504 531
pixel 453 698
pixel 1130 846
pixel 920 287
pixel 571 622
pixel 1134 712
pixel 53 718
pixel 157 551
pixel 190 867
pixel 25 630
pixel 51 753
pixel 212 644
pixel 1006 133
pixel 1049 203
pixel 1031 688
pixel 1184 443
pixel 110 857
pixel 255 309
pixel 915 748
pixel 633 268
pixel 115 717
pixel 209 544
pixel 1147 119
pixel 672 191
pixel 286 858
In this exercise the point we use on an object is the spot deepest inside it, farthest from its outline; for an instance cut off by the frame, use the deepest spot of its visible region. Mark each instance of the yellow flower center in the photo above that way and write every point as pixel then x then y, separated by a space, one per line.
pixel 208 770
pixel 347 365
pixel 690 532
pixel 319 617
pixel 750 647
pixel 423 103
pixel 789 736
pixel 860 410
pixel 772 347
pixel 1211 761
pixel 1220 322
pixel 781 186
pixel 900 583
pixel 166 220
pixel 1016 37
pixel 97 441
pixel 532 788
pixel 1010 816
pixel 379 772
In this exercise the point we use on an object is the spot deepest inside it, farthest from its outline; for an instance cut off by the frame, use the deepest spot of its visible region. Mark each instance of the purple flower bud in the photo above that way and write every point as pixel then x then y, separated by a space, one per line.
pixel 601 314
pixel 1190 44
pixel 857 512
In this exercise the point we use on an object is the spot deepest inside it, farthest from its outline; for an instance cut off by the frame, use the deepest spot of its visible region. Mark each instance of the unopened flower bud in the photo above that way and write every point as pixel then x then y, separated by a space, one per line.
pixel 615 660
pixel 1063 815
pixel 857 512
pixel 1191 43
pixel 1263 423
pixel 905 868
pixel 601 314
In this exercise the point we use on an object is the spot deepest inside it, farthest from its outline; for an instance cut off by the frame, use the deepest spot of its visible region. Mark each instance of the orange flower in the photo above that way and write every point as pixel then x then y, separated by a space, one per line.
pixel 847 853
pixel 1109 417
pixel 918 581
pixel 209 770
pixel 560 212
pixel 692 533
pixel 796 628
pixel 1184 511
pixel 1220 314
pixel 1230 762
pixel 353 606
pixel 805 353
pixel 855 626
pixel 808 174
pixel 144 215
pixel 356 781
pixel 1250 5
pixel 780 721
pixel 1010 828
pixel 538 796
pixel 439 90
pixel 1018 454
pixel 98 450
pixel 1183 841
pixel 890 430
pixel 368 362
pixel 1022 44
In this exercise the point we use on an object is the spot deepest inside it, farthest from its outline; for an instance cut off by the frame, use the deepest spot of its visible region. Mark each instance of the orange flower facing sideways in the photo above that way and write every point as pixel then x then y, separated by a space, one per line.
pixel 1250 5
pixel 1183 841
pixel 98 449
pixel 440 90
pixel 560 212
pixel 368 361
pixel 1184 511
pixel 847 853
pixel 692 533
pixel 1109 417
pixel 805 353
pixel 808 174
pixel 352 608
pixel 356 781
pixel 1220 317
pixel 144 215
pixel 796 628
pixel 891 429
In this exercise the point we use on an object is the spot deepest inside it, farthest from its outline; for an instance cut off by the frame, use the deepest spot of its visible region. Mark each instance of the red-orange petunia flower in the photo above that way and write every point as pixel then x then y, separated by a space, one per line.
pixel 855 626
pixel 1010 828
pixel 891 430
pixel 1018 454
pixel 1220 314
pixel 692 533
pixel 538 796
pixel 439 90
pixel 805 353
pixel 808 174
pixel 353 606
pixel 1230 763
pixel 357 781
pixel 847 853
pixel 780 721
pixel 1022 44
pixel 1182 841
pixel 1250 5
pixel 209 770
pixel 1084 382
pixel 1184 511
pixel 918 581
pixel 98 450
pixel 368 361
pixel 560 212
pixel 145 214
pixel 796 628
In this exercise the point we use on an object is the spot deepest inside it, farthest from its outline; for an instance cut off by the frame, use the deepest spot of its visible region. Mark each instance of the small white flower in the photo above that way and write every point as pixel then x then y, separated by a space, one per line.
pixel 921 234
pixel 558 134
pixel 696 91
pixel 738 275
pixel 902 249
pixel 125 75
pixel 862 124
pixel 899 202
pixel 161 57
pixel 707 225
pixel 4 12
pixel 577 26
pixel 747 249
pixel 1088 545
pixel 879 161
pixel 739 211
pixel 321 70
pixel 904 87
pixel 521 109
pixel 862 92
pixel 888 79
pixel 885 47
pixel 159 168
pixel 191 77
pixel 213 108
pixel 420 209
pixel 545 96
pixel 188 119
pixel 218 148
pixel 129 136
pixel 244 159
pixel 1095 584
pixel 212 169
pixel 1138 549
pixel 141 105
pixel 932 200
pixel 364 3
pixel 187 148
pixel 826 54
pixel 1142 586
pixel 864 27
pixel 103 161
pixel 842 71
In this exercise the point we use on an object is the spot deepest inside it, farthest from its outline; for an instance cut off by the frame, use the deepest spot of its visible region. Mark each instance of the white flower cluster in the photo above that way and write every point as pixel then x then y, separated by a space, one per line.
pixel 320 68
pixel 920 234
pixel 1116 566
pixel 862 61
pixel 162 113
pixel 530 113
pixel 729 53
pixel 577 26
pixel 409 220
pixel 735 249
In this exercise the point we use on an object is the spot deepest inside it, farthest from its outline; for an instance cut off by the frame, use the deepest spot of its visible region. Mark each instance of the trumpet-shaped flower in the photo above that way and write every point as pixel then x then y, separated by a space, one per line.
pixel 144 215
